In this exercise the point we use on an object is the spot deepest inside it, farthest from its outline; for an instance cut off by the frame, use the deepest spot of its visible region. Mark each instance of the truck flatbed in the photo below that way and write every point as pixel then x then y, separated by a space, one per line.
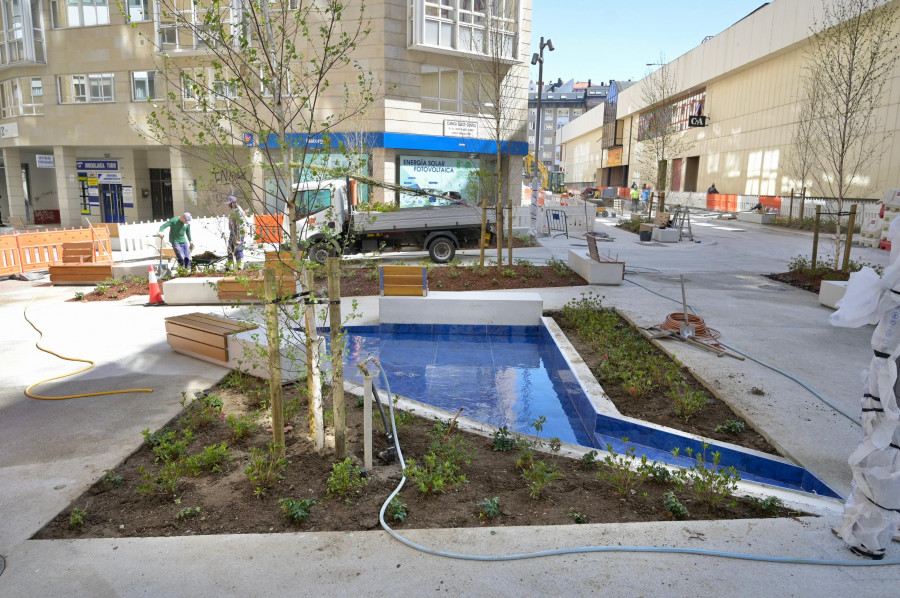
pixel 412 219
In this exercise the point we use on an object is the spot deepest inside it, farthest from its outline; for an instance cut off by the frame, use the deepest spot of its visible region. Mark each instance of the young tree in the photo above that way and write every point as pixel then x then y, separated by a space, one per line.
pixel 497 93
pixel 800 161
pixel 850 59
pixel 658 133
pixel 255 88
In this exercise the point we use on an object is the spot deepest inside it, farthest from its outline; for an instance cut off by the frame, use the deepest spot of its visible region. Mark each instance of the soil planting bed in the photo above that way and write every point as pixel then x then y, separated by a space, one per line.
pixel 227 503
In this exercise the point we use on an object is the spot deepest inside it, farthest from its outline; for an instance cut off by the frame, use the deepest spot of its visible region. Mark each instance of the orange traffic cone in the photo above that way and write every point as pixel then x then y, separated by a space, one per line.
pixel 156 297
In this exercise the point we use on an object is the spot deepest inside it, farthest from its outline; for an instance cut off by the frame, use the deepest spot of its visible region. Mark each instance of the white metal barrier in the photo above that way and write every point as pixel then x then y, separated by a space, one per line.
pixel 138 239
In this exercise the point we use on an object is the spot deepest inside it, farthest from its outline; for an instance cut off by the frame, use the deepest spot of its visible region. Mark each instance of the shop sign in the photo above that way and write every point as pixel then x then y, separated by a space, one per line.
pixel 697 121
pixel 9 130
pixel 45 161
pixel 97 164
pixel 439 174
pixel 110 178
pixel 460 128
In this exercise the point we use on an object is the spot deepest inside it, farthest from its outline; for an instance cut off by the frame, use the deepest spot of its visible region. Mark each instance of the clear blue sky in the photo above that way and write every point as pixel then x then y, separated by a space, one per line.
pixel 609 39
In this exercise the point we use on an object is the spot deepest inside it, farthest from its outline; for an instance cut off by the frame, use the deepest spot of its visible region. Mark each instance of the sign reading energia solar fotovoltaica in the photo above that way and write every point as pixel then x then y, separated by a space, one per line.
pixel 438 174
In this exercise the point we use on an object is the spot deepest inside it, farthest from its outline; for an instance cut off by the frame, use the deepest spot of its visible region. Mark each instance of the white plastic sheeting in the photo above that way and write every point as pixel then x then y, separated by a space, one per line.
pixel 872 511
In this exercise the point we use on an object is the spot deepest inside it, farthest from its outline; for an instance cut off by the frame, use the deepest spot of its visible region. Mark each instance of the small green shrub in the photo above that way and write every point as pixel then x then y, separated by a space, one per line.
pixel 165 443
pixel 241 426
pixel 296 510
pixel 188 512
pixel 79 295
pixel 166 481
pixel 688 402
pixel 265 468
pixel 623 472
pixel 673 506
pixel 397 510
pixel 203 412
pixel 112 478
pixel 76 517
pixel 559 267
pixel 538 424
pixel 433 475
pixel 101 288
pixel 508 273
pixel 731 426
pixel 589 460
pixel 540 477
pixel 576 516
pixel 345 478
pixel 710 483
pixel 503 441
pixel 771 505
pixel 555 444
pixel 489 508
pixel 525 460
pixel 213 458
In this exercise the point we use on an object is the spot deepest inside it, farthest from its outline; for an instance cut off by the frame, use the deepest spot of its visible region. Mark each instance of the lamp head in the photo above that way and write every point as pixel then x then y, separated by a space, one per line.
pixel 535 58
pixel 550 44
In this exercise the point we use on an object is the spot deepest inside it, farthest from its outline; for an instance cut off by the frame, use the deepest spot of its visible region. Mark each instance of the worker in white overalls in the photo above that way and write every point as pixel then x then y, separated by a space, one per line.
pixel 872 511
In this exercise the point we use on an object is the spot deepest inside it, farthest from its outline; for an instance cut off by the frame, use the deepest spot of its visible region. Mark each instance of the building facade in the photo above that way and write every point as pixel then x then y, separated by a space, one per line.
pixel 746 82
pixel 560 104
pixel 78 80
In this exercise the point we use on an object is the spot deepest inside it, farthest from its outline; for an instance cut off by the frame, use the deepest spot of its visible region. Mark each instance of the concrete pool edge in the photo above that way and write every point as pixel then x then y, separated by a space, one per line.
pixel 793 499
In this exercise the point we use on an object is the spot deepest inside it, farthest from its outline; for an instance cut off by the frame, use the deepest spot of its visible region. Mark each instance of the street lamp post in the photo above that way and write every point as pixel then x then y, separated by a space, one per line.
pixel 538 59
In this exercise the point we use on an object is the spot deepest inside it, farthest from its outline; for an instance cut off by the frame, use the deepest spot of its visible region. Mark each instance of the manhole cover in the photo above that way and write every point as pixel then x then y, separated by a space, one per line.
pixel 772 287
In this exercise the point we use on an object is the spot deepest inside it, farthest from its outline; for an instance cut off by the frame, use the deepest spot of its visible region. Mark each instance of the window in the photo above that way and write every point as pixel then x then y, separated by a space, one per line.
pixel 21 97
pixel 549 126
pixel 312 201
pixel 449 90
pixel 184 29
pixel 80 13
pixel 485 27
pixel 548 115
pixel 201 90
pixel 81 89
pixel 21 35
pixel 576 112
pixel 143 85
pixel 37 87
pixel 138 10
pixel 562 112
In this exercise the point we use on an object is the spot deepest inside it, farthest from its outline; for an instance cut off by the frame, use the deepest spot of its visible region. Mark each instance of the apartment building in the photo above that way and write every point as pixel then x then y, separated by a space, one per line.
pixel 76 77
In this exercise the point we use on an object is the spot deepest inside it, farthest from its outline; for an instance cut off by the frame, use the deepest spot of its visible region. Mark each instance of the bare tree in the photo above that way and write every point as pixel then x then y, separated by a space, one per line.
pixel 496 91
pixel 850 59
pixel 800 162
pixel 256 88
pixel 659 131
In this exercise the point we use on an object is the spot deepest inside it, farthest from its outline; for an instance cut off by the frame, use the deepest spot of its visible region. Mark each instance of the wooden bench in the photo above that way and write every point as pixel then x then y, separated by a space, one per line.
pixel 233 289
pixel 205 335
pixel 79 265
pixel 406 281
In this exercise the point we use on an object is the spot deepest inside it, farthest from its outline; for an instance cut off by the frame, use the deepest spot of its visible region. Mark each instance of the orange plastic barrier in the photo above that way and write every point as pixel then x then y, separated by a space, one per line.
pixel 771 202
pixel 9 256
pixel 722 202
pixel 38 249
pixel 268 228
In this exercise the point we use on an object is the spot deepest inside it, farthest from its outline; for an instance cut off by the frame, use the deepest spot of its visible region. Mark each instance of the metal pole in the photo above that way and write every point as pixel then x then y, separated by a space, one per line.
pixel 538 124
pixel 816 236
pixel 849 240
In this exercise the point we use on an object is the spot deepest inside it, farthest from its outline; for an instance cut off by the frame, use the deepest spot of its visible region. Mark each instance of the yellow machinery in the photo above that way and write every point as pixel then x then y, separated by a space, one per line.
pixel 529 167
pixel 550 181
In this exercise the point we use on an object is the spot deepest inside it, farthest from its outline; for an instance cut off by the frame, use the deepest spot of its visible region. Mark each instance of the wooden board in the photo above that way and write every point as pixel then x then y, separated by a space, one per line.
pixel 79 273
pixel 185 344
pixel 203 334
pixel 229 288
pixel 78 253
pixel 407 281
pixel 210 323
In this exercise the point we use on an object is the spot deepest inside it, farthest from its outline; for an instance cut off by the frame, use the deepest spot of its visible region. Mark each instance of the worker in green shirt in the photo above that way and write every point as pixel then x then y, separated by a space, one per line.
pixel 180 238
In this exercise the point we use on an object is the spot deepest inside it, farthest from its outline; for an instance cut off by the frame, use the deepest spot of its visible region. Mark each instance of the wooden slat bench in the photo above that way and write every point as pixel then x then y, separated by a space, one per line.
pixel 78 265
pixel 232 289
pixel 407 281
pixel 203 334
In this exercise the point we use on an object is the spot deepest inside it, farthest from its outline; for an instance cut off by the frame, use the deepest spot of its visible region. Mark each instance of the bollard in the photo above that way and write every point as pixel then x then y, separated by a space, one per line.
pixel 367 422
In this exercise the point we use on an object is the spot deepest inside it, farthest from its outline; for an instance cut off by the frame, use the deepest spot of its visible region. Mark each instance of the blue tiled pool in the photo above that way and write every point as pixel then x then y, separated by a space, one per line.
pixel 511 375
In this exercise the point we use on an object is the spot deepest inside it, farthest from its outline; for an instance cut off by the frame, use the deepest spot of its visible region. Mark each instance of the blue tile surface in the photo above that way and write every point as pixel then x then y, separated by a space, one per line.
pixel 511 375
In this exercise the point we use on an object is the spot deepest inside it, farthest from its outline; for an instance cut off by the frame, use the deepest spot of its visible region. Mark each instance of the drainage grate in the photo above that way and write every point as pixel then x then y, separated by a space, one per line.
pixel 772 287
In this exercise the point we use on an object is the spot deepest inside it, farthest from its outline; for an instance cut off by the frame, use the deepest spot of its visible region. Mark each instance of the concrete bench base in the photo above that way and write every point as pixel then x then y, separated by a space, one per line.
pixel 832 291
pixel 756 218
pixel 665 235
pixel 191 291
pixel 609 273
pixel 468 308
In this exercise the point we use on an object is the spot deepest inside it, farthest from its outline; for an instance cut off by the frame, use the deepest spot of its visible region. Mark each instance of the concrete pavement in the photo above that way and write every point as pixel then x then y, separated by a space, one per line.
pixel 53 450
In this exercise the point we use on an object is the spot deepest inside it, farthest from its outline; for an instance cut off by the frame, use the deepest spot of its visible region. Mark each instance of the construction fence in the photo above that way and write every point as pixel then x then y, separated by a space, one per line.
pixel 22 252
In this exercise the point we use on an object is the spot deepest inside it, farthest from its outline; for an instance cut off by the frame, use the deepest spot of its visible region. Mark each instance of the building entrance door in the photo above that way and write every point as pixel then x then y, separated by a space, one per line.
pixel 111 204
pixel 161 193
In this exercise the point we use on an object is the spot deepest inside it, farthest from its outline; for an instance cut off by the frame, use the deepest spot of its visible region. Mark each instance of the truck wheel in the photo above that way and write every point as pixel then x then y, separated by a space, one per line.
pixel 321 251
pixel 441 250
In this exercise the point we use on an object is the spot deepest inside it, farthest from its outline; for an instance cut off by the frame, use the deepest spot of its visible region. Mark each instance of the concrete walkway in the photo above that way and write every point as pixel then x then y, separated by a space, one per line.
pixel 53 450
